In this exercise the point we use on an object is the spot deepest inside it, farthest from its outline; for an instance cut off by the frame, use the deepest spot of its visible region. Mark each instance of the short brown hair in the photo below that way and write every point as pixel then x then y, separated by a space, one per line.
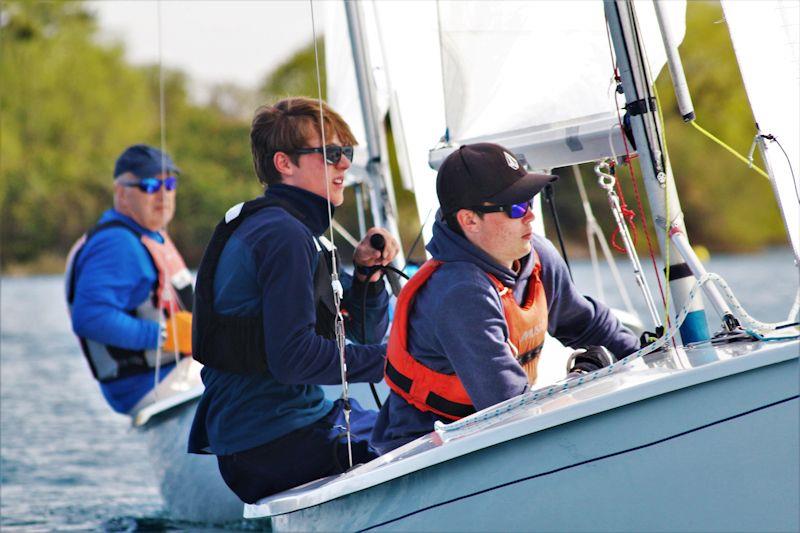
pixel 285 127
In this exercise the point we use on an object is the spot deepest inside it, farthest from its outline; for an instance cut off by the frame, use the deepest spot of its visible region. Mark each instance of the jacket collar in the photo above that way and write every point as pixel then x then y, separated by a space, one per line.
pixel 313 207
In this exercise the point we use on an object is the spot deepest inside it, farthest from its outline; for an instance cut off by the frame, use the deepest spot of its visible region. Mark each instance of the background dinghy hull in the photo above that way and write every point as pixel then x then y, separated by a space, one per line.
pixel 190 484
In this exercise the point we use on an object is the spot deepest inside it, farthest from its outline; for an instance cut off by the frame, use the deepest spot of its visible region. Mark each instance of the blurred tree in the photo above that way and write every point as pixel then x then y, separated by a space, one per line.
pixel 68 106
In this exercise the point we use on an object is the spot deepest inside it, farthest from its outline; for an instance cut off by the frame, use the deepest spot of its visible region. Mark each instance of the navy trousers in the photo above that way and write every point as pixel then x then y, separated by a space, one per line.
pixel 306 454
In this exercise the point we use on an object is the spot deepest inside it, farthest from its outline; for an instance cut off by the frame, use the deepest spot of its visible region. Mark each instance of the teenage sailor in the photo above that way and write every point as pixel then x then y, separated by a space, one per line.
pixel 128 289
pixel 470 324
pixel 264 314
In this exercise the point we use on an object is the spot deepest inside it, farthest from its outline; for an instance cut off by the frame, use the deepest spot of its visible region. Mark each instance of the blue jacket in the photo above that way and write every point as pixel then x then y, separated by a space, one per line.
pixel 456 325
pixel 268 264
pixel 113 276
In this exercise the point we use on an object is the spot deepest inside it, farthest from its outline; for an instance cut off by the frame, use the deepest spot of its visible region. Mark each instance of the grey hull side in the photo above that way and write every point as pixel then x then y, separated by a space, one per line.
pixel 190 484
pixel 721 455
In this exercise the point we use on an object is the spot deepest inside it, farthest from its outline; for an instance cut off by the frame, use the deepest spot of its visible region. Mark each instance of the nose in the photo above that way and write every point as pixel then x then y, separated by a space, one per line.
pixel 343 163
pixel 529 216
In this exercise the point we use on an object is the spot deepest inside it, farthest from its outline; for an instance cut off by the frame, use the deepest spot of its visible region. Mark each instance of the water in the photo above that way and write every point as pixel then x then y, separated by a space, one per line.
pixel 68 462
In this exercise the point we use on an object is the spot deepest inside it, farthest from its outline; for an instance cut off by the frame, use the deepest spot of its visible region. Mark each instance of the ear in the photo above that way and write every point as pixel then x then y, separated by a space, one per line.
pixel 119 196
pixel 469 220
pixel 283 163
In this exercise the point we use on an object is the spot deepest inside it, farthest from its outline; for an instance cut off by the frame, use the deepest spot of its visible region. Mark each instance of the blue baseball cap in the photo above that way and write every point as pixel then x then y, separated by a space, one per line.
pixel 143 161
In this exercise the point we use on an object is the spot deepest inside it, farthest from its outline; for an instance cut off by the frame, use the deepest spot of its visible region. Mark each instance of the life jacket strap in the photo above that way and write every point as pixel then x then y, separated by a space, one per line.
pixel 436 403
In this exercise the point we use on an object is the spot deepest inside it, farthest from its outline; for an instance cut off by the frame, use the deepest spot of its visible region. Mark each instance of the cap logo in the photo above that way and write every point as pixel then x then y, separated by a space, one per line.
pixel 511 161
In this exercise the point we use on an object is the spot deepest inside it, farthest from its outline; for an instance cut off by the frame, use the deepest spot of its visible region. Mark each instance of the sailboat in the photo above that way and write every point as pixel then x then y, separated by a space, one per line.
pixel 694 431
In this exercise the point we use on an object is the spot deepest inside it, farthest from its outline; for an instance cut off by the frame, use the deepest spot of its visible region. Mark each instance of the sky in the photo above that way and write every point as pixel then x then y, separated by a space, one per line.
pixel 211 40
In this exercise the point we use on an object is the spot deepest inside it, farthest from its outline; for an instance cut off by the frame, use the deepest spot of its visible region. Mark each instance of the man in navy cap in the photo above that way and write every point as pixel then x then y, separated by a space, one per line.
pixel 128 289
pixel 469 326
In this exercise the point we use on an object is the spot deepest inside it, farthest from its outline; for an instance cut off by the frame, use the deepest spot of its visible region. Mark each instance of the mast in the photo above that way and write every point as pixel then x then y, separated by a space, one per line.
pixel 382 202
pixel 657 173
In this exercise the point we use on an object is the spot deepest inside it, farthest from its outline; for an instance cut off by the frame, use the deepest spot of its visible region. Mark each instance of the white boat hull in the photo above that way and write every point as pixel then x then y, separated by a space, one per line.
pixel 711 447
pixel 190 484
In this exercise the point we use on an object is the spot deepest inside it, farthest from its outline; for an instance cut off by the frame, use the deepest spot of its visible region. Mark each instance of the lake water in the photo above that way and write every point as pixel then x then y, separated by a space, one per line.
pixel 67 462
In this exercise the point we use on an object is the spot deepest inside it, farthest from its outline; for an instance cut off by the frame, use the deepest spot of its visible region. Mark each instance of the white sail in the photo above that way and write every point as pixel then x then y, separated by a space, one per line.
pixel 342 87
pixel 527 73
pixel 766 39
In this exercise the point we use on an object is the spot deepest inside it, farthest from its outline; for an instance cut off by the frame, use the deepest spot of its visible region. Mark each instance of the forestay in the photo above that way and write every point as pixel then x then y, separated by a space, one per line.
pixel 766 39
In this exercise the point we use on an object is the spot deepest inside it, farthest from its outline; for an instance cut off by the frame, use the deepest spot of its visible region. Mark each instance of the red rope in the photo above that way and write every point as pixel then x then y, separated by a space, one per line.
pixel 627 214
pixel 632 174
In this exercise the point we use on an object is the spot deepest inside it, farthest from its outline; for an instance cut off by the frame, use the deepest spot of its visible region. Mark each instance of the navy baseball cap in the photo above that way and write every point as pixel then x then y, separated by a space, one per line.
pixel 485 172
pixel 143 161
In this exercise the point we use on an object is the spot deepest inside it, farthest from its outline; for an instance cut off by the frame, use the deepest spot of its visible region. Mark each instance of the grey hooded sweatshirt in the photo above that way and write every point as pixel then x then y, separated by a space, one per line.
pixel 456 325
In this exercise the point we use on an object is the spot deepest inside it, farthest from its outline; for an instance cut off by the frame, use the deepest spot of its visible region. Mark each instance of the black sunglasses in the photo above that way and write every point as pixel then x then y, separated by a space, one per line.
pixel 513 210
pixel 333 153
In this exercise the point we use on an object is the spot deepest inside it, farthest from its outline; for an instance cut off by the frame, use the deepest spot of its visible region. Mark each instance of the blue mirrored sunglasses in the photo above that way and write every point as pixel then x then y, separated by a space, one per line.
pixel 153 185
pixel 333 153
pixel 513 210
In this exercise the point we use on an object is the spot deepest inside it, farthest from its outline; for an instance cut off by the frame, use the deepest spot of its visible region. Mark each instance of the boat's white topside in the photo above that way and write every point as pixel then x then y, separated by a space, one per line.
pixel 181 385
pixel 656 374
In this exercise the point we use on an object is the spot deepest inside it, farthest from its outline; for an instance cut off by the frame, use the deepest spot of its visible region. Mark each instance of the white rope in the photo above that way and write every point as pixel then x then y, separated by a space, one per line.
pixel 794 312
pixel 606 182
pixel 336 285
pixel 594 231
pixel 757 329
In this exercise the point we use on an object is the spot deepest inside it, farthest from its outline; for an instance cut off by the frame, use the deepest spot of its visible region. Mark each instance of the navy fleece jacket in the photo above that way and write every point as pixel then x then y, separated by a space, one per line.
pixel 456 325
pixel 268 264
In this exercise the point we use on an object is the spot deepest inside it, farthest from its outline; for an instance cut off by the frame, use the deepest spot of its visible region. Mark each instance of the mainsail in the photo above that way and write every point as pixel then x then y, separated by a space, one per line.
pixel 766 39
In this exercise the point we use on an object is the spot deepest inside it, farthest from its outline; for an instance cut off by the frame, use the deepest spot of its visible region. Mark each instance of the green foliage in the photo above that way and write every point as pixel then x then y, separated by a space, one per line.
pixel 69 106
pixel 727 205
pixel 297 76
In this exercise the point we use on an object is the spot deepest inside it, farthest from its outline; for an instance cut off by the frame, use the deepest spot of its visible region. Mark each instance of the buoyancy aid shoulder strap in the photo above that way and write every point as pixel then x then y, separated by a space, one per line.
pixel 89 234
pixel 230 222
pixel 406 298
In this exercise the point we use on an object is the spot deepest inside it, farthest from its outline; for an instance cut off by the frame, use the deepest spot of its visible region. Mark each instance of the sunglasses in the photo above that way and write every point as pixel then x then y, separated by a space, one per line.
pixel 153 185
pixel 513 210
pixel 333 153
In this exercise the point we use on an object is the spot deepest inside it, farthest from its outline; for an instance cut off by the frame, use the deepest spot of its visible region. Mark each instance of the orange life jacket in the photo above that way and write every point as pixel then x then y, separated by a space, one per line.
pixel 444 394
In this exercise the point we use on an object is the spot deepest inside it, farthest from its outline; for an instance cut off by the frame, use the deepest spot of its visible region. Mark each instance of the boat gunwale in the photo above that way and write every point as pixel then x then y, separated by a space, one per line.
pixel 487 433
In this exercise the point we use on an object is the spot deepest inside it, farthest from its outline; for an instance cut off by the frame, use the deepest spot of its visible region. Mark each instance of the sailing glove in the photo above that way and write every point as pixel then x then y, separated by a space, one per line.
pixel 178 329
pixel 588 360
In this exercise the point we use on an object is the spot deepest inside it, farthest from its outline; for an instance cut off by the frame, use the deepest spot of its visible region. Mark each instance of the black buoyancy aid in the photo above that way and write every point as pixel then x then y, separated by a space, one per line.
pixel 444 394
pixel 171 291
pixel 236 343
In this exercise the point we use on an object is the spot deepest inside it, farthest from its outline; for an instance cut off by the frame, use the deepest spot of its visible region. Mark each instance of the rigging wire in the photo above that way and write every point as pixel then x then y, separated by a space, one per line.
pixel 631 171
pixel 167 293
pixel 336 285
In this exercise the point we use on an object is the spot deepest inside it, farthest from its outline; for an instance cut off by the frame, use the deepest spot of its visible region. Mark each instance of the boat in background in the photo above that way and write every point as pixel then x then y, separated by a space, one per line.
pixel 689 433
pixel 191 485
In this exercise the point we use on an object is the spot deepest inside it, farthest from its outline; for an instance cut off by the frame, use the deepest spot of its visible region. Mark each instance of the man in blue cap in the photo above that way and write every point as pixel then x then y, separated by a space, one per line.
pixel 128 289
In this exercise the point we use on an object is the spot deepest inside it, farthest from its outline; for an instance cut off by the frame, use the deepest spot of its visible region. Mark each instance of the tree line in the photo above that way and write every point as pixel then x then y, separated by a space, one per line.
pixel 69 105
